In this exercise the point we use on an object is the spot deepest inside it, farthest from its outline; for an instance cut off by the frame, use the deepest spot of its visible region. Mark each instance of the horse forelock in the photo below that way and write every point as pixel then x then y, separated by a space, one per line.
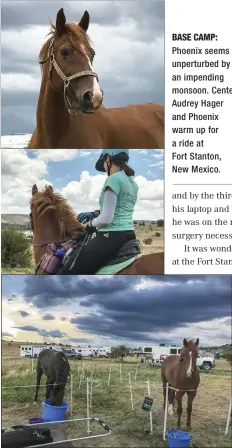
pixel 48 200
pixel 76 35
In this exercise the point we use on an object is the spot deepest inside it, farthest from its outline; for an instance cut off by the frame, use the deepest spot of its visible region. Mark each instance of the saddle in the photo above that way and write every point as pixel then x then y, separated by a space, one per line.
pixel 58 254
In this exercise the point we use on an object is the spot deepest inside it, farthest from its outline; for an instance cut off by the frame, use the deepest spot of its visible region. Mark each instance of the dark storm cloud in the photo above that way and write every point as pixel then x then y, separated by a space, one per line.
pixel 56 291
pixel 19 107
pixel 52 333
pixel 27 328
pixel 42 332
pixel 117 309
pixel 48 317
pixel 20 14
pixel 157 309
pixel 23 313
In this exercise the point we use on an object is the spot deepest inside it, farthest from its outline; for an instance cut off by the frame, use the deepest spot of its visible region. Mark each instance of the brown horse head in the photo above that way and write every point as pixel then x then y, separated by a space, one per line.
pixel 188 356
pixel 70 56
pixel 52 219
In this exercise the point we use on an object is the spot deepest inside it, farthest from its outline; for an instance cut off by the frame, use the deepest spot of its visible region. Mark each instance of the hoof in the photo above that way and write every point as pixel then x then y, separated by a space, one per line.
pixel 35 403
pixel 188 427
pixel 170 412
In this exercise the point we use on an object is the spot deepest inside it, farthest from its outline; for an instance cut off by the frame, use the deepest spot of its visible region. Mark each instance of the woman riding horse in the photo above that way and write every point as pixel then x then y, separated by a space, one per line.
pixel 113 226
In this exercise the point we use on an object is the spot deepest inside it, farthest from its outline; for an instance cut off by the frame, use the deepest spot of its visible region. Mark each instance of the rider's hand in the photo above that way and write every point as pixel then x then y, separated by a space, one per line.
pixel 85 217
pixel 89 228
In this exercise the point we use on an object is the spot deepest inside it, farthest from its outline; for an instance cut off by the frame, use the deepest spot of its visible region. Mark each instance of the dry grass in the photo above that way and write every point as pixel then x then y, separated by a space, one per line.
pixel 112 403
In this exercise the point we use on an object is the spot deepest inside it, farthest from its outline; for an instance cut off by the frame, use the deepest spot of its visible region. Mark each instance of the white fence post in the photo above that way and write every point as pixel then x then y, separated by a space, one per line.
pixel 131 393
pixel 150 412
pixel 109 375
pixel 165 412
pixel 228 417
pixel 71 395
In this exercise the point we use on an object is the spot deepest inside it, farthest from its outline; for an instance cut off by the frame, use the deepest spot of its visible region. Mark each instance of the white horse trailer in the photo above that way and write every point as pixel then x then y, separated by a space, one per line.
pixel 103 352
pixel 33 351
pixel 157 352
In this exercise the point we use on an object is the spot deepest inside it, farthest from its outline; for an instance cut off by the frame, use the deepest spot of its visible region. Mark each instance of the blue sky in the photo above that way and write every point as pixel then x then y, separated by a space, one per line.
pixel 133 310
pixel 58 173
pixel 72 173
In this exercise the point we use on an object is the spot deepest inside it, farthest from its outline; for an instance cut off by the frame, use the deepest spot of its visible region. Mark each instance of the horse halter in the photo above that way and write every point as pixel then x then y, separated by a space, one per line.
pixel 66 79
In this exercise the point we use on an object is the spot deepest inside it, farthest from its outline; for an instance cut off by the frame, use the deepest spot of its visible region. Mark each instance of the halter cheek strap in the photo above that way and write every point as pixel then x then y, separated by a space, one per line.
pixel 66 79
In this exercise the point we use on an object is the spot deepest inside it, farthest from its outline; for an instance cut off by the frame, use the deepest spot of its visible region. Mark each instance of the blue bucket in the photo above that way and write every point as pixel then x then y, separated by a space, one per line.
pixel 54 413
pixel 178 439
pixel 35 421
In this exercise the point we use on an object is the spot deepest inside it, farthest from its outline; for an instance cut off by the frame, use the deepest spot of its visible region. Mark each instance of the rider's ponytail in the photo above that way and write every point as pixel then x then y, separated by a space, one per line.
pixel 128 170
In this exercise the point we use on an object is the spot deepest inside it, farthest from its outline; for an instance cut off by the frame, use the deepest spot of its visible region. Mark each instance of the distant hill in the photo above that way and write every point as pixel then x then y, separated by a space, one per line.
pixel 20 220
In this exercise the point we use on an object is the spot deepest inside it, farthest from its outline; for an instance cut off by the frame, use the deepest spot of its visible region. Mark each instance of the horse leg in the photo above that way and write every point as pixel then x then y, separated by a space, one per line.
pixel 39 374
pixel 49 387
pixel 191 396
pixel 171 399
pixel 179 396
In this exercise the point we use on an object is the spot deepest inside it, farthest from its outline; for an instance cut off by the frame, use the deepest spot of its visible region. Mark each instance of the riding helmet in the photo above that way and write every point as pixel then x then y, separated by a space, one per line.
pixel 116 155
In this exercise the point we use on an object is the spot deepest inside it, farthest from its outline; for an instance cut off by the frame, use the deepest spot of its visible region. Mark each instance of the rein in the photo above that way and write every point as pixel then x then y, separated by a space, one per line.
pixel 66 79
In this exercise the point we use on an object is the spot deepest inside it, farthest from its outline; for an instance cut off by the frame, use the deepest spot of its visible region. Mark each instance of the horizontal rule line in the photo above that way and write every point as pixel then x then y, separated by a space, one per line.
pixel 203 184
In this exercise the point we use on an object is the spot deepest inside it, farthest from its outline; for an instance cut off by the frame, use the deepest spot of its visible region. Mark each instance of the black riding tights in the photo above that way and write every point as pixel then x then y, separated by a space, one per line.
pixel 97 252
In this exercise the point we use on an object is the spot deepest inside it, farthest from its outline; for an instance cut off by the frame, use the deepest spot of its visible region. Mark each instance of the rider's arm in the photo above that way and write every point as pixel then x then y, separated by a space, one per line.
pixel 108 210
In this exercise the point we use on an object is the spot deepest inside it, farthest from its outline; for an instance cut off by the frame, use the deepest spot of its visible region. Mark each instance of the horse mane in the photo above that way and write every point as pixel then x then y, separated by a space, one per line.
pixel 48 200
pixel 76 35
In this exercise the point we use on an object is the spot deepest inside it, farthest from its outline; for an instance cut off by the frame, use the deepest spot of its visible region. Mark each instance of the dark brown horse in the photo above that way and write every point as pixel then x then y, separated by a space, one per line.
pixel 181 373
pixel 53 220
pixel 70 113
pixel 56 367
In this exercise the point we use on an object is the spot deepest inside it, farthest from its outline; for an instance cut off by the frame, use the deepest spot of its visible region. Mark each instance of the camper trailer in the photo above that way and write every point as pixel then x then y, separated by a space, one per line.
pixel 157 353
pixel 103 352
pixel 32 351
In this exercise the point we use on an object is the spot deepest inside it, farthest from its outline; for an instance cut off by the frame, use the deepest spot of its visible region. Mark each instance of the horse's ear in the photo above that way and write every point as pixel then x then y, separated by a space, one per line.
pixel 185 342
pixel 60 22
pixel 84 22
pixel 34 190
pixel 50 188
pixel 197 342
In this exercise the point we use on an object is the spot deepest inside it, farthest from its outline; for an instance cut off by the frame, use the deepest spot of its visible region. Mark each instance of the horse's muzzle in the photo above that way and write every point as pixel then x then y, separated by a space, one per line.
pixel 88 105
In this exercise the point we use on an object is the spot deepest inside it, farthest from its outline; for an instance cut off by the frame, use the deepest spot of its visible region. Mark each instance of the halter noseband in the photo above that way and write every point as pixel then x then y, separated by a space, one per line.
pixel 66 79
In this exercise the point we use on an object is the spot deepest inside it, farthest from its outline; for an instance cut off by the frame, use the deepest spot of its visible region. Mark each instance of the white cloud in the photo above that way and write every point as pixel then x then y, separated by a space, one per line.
pixel 127 52
pixel 19 173
pixel 57 155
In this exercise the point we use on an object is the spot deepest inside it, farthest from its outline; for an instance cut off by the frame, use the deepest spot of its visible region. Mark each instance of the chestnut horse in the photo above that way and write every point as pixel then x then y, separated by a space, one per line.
pixel 53 220
pixel 70 113
pixel 182 374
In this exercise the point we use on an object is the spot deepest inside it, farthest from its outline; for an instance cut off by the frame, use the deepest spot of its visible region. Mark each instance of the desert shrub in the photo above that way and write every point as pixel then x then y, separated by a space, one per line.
pixel 147 241
pixel 160 223
pixel 16 249
pixel 157 234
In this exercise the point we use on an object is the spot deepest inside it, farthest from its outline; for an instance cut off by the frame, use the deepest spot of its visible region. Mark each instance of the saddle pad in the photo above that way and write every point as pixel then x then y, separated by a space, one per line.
pixel 115 268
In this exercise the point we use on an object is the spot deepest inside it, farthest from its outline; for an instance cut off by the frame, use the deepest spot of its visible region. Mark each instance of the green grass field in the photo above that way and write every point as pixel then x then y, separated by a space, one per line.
pixel 112 403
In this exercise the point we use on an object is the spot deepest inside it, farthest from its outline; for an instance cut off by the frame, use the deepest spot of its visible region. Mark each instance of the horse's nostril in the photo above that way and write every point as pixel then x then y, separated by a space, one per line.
pixel 88 96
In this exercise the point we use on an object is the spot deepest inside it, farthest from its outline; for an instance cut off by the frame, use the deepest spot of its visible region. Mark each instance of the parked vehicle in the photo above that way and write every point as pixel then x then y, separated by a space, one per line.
pixel 203 362
pixel 71 354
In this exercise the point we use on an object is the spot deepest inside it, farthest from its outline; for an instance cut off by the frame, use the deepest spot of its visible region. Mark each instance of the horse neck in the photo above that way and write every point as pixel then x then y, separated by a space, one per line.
pixel 47 230
pixel 52 114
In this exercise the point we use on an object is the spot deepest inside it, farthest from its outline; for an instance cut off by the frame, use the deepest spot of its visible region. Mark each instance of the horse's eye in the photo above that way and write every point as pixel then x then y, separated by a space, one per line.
pixel 66 52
